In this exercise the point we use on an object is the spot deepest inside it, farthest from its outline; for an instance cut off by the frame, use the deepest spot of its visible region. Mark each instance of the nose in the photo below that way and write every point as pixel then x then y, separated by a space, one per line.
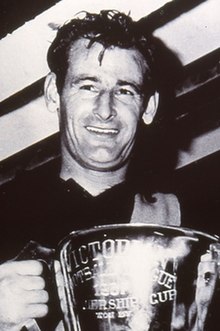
pixel 104 108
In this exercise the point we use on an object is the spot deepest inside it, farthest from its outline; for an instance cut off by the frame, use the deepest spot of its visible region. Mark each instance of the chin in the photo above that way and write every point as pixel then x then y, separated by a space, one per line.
pixel 106 166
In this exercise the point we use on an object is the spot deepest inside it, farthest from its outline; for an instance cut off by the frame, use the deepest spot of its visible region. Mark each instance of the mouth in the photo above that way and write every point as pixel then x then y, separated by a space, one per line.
pixel 102 131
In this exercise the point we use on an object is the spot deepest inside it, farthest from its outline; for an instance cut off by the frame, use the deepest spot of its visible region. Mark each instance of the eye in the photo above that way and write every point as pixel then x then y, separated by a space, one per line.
pixel 88 87
pixel 124 91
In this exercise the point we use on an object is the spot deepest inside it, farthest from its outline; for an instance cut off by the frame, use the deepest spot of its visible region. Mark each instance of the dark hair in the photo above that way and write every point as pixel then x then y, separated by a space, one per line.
pixel 110 28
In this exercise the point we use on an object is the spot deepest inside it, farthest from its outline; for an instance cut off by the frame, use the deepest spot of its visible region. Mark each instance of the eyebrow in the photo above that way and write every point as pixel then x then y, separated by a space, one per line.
pixel 137 87
pixel 83 78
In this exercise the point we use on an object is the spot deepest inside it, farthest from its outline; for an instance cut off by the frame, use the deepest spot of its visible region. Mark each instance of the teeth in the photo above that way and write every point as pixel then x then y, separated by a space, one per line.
pixel 102 130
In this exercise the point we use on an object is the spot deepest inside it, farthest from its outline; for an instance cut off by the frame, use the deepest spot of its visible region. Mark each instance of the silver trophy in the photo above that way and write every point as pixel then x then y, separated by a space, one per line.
pixel 137 278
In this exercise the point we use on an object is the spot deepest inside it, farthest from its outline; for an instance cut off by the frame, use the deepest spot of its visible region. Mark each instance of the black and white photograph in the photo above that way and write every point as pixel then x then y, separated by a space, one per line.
pixel 110 165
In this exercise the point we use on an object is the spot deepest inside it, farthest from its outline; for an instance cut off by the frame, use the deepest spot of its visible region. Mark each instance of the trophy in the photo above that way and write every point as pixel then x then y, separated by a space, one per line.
pixel 136 277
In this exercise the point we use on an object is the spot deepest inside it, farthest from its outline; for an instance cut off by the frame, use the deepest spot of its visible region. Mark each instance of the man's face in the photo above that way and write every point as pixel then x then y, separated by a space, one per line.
pixel 101 105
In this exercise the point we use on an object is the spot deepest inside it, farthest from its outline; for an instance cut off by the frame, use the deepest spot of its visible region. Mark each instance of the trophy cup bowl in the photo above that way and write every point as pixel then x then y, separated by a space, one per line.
pixel 137 277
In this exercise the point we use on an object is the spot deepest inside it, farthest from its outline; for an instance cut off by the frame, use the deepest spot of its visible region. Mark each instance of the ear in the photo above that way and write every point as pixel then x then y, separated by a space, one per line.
pixel 51 94
pixel 151 108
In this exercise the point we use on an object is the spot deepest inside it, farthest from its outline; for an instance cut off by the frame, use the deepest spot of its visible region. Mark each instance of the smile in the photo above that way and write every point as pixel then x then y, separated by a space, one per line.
pixel 99 130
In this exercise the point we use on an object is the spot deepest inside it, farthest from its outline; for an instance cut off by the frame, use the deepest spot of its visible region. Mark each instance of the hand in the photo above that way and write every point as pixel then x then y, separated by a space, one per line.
pixel 22 294
pixel 205 288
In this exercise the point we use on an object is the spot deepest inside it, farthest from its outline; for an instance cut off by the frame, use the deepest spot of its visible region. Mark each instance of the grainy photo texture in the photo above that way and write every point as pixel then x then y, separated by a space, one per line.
pixel 109 159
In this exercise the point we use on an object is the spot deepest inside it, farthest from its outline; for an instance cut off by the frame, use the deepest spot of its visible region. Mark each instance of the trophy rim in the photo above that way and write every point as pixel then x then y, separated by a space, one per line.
pixel 157 228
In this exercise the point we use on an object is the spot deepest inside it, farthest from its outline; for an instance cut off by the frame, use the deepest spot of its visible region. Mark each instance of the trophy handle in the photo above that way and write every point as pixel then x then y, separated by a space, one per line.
pixel 35 251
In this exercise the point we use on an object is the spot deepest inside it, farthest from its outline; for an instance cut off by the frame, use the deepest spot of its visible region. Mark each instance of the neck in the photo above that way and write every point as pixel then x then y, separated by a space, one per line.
pixel 94 182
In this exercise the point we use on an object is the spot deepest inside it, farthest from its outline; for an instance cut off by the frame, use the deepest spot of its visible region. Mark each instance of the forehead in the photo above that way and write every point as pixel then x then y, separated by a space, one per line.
pixel 115 61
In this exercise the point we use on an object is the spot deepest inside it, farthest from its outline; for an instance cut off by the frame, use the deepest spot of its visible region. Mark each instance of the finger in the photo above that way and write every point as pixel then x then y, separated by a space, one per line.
pixel 57 266
pixel 29 267
pixel 35 297
pixel 36 311
pixel 60 286
pixel 206 257
pixel 58 274
pixel 31 283
pixel 207 275
pixel 59 279
pixel 207 266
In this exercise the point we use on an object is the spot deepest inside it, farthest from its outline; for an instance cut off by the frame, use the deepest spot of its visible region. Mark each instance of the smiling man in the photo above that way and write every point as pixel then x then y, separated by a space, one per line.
pixel 103 87
pixel 100 106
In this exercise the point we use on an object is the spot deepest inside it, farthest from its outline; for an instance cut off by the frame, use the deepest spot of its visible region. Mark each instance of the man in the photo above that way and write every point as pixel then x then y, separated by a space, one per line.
pixel 102 85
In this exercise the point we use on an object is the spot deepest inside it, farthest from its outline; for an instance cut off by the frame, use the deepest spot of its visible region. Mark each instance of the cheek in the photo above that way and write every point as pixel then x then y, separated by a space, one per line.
pixel 69 113
pixel 131 118
pixel 133 109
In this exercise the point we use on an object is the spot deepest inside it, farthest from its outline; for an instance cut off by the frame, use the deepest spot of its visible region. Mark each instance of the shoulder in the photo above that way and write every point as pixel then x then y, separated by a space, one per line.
pixel 164 210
